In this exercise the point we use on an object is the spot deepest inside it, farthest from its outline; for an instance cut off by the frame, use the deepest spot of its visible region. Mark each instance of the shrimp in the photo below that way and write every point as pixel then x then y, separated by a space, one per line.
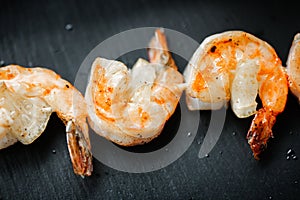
pixel 28 96
pixel 234 66
pixel 130 107
pixel 293 66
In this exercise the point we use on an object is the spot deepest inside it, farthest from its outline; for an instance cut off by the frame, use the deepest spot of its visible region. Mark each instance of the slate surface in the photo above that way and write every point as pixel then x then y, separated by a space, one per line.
pixel 33 33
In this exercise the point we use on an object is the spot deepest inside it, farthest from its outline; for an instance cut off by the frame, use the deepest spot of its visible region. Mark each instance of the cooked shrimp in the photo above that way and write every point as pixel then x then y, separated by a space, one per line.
pixel 235 66
pixel 28 96
pixel 130 107
pixel 293 67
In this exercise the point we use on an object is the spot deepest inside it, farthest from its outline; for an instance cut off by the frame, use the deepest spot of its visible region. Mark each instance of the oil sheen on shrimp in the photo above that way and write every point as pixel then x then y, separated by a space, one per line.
pixel 234 66
pixel 130 107
pixel 293 66
pixel 28 96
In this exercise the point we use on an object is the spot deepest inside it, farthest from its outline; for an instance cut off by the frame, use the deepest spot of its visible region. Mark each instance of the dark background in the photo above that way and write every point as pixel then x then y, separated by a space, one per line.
pixel 33 33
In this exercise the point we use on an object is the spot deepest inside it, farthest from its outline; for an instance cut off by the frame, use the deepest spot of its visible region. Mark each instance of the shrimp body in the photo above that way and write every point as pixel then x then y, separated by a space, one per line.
pixel 130 107
pixel 235 66
pixel 28 96
pixel 293 66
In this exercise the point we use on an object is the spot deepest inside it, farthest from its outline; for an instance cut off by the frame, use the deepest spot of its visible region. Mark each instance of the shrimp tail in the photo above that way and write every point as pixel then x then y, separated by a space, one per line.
pixel 158 51
pixel 261 130
pixel 79 150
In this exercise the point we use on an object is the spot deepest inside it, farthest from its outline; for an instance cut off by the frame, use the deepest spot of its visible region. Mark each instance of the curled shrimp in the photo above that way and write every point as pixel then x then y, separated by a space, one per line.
pixel 234 66
pixel 293 66
pixel 28 96
pixel 130 107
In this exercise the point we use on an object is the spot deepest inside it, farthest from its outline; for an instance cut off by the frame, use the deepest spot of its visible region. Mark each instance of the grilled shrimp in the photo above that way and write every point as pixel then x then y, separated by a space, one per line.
pixel 293 67
pixel 235 66
pixel 130 107
pixel 28 96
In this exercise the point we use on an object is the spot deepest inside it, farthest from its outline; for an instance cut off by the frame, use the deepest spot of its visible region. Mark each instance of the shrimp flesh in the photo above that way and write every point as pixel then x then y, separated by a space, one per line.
pixel 235 66
pixel 28 96
pixel 293 66
pixel 130 107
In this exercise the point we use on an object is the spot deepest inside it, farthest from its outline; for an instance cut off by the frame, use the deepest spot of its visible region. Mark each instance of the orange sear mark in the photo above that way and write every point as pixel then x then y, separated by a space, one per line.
pixel 7 76
pixel 159 101
pixel 102 116
pixel 144 116
pixel 10 76
pixel 102 92
pixel 110 89
pixel 199 83
pixel 46 92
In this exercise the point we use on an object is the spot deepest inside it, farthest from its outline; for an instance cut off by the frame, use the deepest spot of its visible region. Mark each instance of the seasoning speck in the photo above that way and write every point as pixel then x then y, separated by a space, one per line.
pixel 54 151
pixel 213 49
pixel 69 27
pixel 290 152
pixel 30 64
pixel 233 133
pixel 2 63
pixel 291 155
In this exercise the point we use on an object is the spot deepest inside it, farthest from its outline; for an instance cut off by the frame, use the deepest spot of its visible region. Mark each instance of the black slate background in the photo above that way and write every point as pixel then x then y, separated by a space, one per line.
pixel 32 32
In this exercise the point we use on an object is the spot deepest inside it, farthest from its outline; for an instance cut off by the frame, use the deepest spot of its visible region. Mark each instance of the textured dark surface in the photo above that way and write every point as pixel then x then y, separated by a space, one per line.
pixel 33 32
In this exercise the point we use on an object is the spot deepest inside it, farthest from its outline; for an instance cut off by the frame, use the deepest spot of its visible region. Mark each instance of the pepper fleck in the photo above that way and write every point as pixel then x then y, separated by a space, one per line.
pixel 213 49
